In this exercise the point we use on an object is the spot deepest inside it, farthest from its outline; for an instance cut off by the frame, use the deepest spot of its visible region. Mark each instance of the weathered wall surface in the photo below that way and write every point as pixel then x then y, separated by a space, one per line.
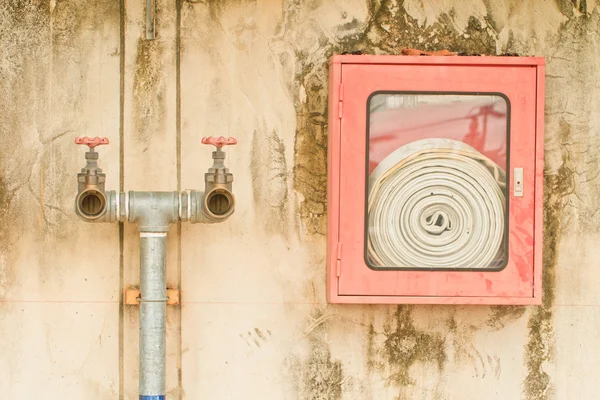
pixel 254 323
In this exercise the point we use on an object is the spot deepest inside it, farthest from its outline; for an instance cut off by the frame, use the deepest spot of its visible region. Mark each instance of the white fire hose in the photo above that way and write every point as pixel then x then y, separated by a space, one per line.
pixel 436 203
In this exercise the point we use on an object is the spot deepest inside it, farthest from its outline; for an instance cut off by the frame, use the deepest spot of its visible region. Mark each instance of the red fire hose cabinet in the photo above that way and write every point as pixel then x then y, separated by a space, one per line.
pixel 435 178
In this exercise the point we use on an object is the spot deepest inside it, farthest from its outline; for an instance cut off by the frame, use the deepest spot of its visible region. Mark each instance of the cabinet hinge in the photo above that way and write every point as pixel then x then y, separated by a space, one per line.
pixel 341 102
pixel 339 260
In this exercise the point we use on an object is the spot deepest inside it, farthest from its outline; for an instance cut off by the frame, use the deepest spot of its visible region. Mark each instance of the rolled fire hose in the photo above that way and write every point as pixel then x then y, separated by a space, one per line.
pixel 436 203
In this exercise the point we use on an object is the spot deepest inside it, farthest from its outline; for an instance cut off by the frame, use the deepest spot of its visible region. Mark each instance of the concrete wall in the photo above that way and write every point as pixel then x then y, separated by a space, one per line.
pixel 254 323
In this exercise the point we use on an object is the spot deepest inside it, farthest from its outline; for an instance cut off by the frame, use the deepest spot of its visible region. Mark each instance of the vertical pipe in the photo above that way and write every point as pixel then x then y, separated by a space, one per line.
pixel 153 309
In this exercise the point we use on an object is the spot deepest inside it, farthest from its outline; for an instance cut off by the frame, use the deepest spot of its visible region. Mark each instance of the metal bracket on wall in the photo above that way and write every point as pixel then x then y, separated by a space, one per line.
pixel 132 296
pixel 150 19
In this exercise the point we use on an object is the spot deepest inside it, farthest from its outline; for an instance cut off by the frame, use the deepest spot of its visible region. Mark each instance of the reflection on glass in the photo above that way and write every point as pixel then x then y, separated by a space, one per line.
pixel 437 183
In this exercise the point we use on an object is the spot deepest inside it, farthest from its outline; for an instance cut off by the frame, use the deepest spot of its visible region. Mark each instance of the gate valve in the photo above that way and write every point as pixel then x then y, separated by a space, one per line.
pixel 91 156
pixel 91 175
pixel 218 155
pixel 218 175
pixel 91 142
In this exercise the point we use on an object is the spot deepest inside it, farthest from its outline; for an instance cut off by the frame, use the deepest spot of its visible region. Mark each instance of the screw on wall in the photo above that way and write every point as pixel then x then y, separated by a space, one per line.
pixel 150 19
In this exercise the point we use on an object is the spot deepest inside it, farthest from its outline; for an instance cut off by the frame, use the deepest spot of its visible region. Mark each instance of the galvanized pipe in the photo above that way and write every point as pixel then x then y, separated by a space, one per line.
pixel 153 314
pixel 153 212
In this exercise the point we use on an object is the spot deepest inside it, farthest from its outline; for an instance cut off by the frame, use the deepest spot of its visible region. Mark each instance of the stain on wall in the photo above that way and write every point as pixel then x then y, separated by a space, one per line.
pixel 24 30
pixel 270 180
pixel 402 351
pixel 47 50
pixel 316 375
pixel 387 30
pixel 310 150
pixel 400 345
pixel 540 348
pixel 501 315
pixel 569 199
pixel 149 90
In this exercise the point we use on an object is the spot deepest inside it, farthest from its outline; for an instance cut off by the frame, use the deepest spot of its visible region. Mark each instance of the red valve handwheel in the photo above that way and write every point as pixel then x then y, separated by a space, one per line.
pixel 91 142
pixel 220 141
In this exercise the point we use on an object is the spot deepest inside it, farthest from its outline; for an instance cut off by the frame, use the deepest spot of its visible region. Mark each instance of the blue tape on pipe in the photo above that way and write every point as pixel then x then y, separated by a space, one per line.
pixel 152 397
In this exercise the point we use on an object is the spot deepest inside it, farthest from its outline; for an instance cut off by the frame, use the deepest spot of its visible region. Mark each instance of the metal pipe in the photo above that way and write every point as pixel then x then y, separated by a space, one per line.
pixel 153 212
pixel 153 314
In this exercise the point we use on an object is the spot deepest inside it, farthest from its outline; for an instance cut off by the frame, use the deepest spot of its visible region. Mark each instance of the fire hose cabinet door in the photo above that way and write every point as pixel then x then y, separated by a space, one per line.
pixel 435 173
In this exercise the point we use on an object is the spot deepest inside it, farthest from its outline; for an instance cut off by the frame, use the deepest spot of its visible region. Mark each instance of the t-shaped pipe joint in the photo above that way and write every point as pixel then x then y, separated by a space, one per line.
pixel 215 204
